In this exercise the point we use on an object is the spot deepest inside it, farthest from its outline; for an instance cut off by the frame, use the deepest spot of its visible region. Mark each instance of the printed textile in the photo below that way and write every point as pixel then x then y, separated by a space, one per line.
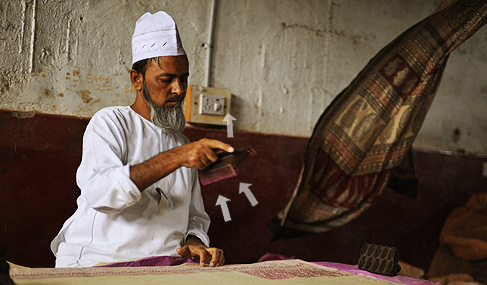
pixel 365 133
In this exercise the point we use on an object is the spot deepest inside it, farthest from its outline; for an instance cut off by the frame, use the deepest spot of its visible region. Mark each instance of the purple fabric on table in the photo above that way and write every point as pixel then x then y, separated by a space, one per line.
pixel 170 261
pixel 354 269
pixel 274 256
pixel 152 261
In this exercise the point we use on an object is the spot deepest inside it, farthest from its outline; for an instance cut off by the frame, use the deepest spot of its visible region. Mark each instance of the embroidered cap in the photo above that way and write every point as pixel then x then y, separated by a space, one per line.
pixel 155 35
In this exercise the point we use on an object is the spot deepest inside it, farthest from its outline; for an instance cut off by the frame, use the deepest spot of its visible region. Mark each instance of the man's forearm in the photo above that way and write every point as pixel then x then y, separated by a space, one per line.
pixel 154 169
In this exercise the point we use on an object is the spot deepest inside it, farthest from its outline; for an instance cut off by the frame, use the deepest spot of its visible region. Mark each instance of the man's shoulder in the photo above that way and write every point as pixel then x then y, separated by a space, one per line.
pixel 113 111
pixel 112 116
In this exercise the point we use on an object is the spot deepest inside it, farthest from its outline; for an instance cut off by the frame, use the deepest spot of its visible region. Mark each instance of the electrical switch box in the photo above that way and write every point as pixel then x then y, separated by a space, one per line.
pixel 207 105
pixel 212 104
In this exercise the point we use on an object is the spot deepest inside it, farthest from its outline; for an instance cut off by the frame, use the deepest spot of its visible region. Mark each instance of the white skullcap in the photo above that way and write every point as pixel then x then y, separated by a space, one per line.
pixel 155 35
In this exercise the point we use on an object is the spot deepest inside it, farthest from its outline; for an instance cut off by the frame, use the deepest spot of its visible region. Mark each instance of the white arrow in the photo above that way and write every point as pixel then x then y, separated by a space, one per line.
pixel 244 187
pixel 229 119
pixel 222 202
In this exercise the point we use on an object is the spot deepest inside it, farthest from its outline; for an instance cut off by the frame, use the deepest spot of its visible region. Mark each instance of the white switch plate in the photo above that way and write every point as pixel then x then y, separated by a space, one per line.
pixel 212 104
pixel 207 114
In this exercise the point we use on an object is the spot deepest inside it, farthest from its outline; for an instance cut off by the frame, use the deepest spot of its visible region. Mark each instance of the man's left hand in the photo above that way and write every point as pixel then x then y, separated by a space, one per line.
pixel 195 248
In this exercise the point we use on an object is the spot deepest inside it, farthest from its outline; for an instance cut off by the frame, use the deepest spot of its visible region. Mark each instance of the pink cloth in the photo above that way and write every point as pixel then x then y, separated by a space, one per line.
pixel 352 269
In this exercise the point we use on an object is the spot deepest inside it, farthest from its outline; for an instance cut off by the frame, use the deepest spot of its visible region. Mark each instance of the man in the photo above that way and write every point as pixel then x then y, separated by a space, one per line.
pixel 140 194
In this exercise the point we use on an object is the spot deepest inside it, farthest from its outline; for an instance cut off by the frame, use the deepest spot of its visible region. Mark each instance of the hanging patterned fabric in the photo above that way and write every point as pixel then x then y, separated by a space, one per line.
pixel 366 132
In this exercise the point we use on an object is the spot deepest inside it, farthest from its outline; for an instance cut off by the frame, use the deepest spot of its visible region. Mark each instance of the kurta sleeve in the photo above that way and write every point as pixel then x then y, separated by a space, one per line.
pixel 103 177
pixel 199 221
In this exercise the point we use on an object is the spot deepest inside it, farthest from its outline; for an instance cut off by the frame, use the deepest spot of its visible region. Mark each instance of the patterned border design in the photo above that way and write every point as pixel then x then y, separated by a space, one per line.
pixel 273 270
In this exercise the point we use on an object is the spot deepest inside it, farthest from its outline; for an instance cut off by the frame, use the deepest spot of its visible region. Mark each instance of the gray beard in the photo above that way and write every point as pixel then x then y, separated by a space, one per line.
pixel 171 121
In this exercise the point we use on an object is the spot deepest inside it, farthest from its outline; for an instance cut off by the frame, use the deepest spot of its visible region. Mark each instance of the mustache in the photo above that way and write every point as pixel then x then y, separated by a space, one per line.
pixel 176 98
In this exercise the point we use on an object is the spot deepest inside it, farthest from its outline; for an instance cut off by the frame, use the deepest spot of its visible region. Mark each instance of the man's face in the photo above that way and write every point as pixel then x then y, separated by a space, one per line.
pixel 164 89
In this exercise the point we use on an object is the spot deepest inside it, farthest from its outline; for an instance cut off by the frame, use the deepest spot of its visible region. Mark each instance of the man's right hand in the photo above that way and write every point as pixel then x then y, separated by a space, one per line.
pixel 198 154
pixel 201 153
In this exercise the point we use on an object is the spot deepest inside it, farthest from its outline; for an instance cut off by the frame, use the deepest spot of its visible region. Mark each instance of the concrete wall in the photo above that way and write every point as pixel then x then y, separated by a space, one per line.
pixel 284 60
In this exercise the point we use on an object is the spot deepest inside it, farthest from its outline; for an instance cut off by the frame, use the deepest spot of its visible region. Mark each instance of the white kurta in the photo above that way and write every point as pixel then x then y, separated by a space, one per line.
pixel 114 220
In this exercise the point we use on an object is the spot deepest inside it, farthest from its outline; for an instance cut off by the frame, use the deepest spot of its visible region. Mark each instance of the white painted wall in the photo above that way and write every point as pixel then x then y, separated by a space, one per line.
pixel 284 60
